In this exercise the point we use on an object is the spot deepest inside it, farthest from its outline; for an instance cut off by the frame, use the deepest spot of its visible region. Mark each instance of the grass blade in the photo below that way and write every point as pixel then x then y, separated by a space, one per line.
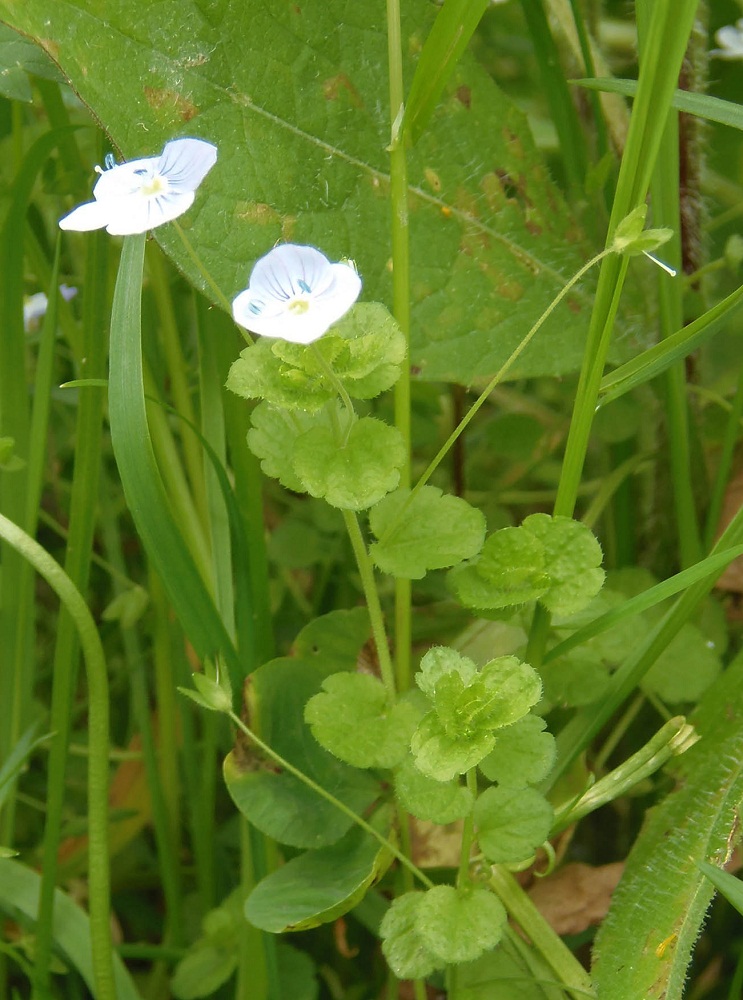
pixel 143 485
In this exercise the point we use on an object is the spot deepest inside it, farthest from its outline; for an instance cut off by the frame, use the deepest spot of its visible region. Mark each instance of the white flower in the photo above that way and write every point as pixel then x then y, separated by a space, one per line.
pixel 136 196
pixel 730 40
pixel 296 294
pixel 35 306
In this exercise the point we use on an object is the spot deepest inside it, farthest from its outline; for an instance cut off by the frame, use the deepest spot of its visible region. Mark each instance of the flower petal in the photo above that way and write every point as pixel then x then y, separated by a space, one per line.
pixel 281 272
pixel 125 179
pixel 296 294
pixel 91 215
pixel 137 213
pixel 186 162
pixel 342 292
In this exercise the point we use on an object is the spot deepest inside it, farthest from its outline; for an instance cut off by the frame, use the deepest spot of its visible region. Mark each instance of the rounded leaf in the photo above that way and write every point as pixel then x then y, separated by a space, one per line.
pixel 458 925
pixel 511 823
pixel 402 943
pixel 572 559
pixel 436 801
pixel 355 474
pixel 352 718
pixel 426 531
pixel 523 754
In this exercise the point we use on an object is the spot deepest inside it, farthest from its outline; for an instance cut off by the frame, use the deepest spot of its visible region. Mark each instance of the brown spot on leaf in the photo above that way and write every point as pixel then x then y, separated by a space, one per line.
pixel 162 99
pixel 51 48
pixel 534 228
pixel 464 95
pixel 334 86
pixel 515 146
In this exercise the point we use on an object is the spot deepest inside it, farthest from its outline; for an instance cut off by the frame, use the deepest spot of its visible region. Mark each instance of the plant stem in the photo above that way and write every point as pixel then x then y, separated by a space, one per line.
pixel 468 832
pixel 400 309
pixel 498 377
pixel 558 956
pixel 217 292
pixel 372 599
pixel 323 793
pixel 98 743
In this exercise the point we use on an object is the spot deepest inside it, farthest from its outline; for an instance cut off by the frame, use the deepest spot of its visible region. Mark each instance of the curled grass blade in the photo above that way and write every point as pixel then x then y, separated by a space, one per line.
pixel 141 479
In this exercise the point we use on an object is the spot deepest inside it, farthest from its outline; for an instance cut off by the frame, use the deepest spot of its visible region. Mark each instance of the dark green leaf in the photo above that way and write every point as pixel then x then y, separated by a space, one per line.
pixel 318 886
pixel 280 805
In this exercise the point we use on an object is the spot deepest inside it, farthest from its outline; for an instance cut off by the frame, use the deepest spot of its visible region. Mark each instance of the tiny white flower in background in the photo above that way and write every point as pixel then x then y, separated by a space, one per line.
pixel 730 40
pixel 35 306
pixel 141 194
pixel 295 293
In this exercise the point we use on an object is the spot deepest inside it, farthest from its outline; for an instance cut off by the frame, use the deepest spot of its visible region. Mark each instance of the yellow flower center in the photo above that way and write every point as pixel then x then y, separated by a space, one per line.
pixel 299 307
pixel 156 185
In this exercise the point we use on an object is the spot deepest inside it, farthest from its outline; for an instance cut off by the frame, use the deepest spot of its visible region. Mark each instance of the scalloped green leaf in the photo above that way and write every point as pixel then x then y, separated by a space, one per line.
pixel 443 756
pixel 429 799
pixel 319 886
pixel 439 662
pixel 272 438
pixel 353 717
pixel 523 754
pixel 458 925
pixel 431 531
pixel 511 823
pixel 291 95
pixel 376 349
pixel 402 942
pixel 573 559
pixel 261 373
pixel 277 803
pixel 353 475
pixel 510 570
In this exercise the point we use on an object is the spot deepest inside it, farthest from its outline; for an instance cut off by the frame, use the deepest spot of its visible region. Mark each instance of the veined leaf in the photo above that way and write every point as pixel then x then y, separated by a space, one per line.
pixel 291 95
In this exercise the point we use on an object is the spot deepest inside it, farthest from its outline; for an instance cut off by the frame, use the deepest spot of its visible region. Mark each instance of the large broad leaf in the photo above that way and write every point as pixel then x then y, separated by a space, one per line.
pixel 279 804
pixel 295 96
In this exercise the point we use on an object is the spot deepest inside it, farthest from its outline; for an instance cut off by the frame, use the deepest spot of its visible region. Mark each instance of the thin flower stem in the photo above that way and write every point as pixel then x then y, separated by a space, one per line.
pixel 336 382
pixel 498 377
pixel 342 807
pixel 468 832
pixel 372 599
pixel 210 282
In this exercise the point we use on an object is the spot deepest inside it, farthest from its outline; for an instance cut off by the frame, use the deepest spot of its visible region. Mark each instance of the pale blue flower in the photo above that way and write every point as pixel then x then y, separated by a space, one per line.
pixel 295 293
pixel 730 40
pixel 142 194
pixel 35 306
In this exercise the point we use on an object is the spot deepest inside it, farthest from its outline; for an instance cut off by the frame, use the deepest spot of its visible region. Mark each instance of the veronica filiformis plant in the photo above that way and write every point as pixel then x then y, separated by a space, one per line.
pixel 139 195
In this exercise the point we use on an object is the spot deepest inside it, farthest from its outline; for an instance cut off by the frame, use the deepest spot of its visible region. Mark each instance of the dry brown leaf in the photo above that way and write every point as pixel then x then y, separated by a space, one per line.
pixel 576 896
pixel 435 846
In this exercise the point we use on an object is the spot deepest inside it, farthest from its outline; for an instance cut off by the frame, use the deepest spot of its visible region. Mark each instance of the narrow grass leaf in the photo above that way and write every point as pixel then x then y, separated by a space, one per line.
pixel 449 36
pixel 143 486
pixel 713 109
pixel 659 358
pixel 19 893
